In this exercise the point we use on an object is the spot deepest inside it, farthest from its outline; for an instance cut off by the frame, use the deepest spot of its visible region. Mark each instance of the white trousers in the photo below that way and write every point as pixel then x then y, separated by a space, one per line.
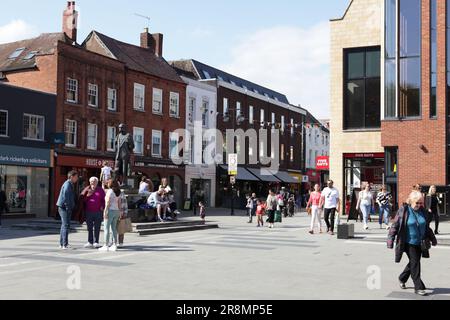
pixel 316 217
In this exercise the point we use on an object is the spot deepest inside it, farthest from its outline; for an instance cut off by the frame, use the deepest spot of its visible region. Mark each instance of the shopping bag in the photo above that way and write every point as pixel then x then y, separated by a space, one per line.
pixel 124 226
pixel 278 217
pixel 337 221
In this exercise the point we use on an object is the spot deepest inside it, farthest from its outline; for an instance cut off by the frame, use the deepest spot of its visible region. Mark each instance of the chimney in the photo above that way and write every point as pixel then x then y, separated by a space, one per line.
pixel 158 41
pixel 152 42
pixel 70 18
pixel 147 40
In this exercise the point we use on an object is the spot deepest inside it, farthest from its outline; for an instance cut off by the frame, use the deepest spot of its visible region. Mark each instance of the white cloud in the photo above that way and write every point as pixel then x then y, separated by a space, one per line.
pixel 201 32
pixel 290 60
pixel 16 30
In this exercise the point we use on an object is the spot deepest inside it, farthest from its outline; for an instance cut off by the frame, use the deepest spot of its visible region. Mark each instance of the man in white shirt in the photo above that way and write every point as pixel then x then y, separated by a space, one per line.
pixel 331 203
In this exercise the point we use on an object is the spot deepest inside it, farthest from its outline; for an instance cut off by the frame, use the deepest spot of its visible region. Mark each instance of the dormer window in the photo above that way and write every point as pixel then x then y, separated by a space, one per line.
pixel 16 53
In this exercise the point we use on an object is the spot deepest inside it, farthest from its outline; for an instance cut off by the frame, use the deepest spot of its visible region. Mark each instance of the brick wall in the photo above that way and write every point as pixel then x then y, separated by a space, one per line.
pixel 415 165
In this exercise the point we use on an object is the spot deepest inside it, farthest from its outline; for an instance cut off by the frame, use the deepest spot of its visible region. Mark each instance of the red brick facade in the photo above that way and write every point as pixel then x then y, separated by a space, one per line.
pixel 422 143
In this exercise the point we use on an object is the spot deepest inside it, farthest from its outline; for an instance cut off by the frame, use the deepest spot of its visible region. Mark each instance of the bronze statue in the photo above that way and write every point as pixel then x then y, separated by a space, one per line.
pixel 124 147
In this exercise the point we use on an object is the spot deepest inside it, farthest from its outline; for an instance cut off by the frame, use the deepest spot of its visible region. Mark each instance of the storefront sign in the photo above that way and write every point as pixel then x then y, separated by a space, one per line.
pixel 305 179
pixel 364 155
pixel 154 165
pixel 83 162
pixel 323 163
pixel 21 156
pixel 59 138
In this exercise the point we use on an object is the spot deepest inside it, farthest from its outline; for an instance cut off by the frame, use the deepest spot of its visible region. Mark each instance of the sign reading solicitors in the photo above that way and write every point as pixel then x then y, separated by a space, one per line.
pixel 28 157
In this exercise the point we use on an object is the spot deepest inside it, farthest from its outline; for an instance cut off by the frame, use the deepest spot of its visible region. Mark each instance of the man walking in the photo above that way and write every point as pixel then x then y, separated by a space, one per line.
pixel 331 203
pixel 66 204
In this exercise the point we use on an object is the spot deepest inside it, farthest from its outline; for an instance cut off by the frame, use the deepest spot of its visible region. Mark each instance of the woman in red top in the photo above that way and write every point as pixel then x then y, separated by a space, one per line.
pixel 313 203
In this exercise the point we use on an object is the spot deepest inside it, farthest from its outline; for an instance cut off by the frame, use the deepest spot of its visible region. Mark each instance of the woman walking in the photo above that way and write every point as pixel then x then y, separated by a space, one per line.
pixel 432 204
pixel 365 204
pixel 112 214
pixel 314 204
pixel 384 202
pixel 412 234
pixel 94 204
pixel 272 205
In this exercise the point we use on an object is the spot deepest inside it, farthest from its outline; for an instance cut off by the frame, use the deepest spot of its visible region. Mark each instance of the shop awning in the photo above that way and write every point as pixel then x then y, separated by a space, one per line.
pixel 243 174
pixel 286 177
pixel 264 175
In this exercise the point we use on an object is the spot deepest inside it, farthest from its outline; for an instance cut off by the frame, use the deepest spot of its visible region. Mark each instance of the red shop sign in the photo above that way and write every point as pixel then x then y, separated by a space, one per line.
pixel 323 163
pixel 364 155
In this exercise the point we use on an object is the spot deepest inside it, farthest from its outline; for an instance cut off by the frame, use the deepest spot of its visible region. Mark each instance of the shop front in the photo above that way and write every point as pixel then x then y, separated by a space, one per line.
pixel 25 178
pixel 86 167
pixel 363 168
pixel 201 184
pixel 157 171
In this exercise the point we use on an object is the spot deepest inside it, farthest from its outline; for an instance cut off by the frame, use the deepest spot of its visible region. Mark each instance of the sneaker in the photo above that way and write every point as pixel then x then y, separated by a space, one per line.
pixel 88 246
pixel 403 286
pixel 104 249
pixel 388 227
pixel 366 227
pixel 97 246
pixel 422 293
pixel 113 248
pixel 311 232
pixel 66 247
pixel 120 245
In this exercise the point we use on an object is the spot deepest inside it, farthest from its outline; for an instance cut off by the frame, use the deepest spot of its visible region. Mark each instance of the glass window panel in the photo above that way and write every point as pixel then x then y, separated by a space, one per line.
pixel 373 95
pixel 373 64
pixel 410 18
pixel 355 104
pixel 355 62
pixel 390 88
pixel 409 97
pixel 391 26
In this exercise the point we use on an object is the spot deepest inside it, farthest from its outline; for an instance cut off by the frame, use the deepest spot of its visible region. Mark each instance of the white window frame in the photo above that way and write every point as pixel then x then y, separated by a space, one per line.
pixel 37 118
pixel 251 115
pixel 139 97
pixel 192 101
pixel 93 92
pixel 157 133
pixel 6 123
pixel 139 132
pixel 112 99
pixel 72 86
pixel 74 126
pixel 157 93
pixel 283 124
pixel 205 113
pixel 226 107
pixel 110 138
pixel 92 128
pixel 238 110
pixel 174 97
pixel 292 155
pixel 262 115
pixel 173 136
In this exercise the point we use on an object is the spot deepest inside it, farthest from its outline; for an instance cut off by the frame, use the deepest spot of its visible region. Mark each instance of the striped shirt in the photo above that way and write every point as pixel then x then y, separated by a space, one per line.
pixel 383 198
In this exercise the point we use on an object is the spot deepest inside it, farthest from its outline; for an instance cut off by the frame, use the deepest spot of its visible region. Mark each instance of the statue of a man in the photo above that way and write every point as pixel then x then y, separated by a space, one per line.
pixel 124 147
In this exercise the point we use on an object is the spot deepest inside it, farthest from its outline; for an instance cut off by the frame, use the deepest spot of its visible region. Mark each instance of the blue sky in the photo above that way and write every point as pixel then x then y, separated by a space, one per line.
pixel 217 33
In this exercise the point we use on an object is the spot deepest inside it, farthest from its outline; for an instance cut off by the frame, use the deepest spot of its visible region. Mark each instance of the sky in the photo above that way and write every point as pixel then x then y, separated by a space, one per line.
pixel 282 44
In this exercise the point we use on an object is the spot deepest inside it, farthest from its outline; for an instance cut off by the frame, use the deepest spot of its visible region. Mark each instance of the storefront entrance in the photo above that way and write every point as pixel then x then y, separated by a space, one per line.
pixel 361 168
pixel 202 190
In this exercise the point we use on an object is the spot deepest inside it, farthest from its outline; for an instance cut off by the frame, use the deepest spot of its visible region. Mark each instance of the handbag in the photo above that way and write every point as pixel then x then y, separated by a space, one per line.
pixel 125 226
pixel 425 244
pixel 309 211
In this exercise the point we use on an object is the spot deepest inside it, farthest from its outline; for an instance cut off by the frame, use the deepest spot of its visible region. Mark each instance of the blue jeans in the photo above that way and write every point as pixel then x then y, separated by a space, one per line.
pixel 111 226
pixel 94 223
pixel 65 226
pixel 366 212
pixel 385 213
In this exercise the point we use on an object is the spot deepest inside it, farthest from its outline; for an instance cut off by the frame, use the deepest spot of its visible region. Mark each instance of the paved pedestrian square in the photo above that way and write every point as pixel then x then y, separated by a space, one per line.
pixel 236 261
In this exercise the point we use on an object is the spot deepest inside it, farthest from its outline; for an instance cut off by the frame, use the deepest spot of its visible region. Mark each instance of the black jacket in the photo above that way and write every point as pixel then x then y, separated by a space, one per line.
pixel 397 233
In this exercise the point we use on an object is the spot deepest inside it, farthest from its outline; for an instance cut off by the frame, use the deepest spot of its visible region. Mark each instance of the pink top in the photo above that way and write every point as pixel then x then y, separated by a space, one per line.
pixel 314 199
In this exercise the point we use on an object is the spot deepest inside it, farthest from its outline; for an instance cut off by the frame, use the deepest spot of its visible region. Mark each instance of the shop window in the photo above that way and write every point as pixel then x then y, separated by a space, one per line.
pixel 3 123
pixel 362 89
pixel 391 162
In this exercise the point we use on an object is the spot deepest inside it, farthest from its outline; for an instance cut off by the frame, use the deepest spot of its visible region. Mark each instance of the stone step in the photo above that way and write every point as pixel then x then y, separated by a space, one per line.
pixel 150 232
pixel 46 227
pixel 50 222
pixel 159 225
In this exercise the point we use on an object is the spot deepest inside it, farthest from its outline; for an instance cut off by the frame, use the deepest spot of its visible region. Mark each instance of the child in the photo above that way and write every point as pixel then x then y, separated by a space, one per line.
pixel 260 210
pixel 347 205
pixel 202 210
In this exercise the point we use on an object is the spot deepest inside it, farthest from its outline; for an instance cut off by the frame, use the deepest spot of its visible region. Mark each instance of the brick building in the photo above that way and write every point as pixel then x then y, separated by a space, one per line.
pixel 96 90
pixel 415 107
pixel 155 100
pixel 244 105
